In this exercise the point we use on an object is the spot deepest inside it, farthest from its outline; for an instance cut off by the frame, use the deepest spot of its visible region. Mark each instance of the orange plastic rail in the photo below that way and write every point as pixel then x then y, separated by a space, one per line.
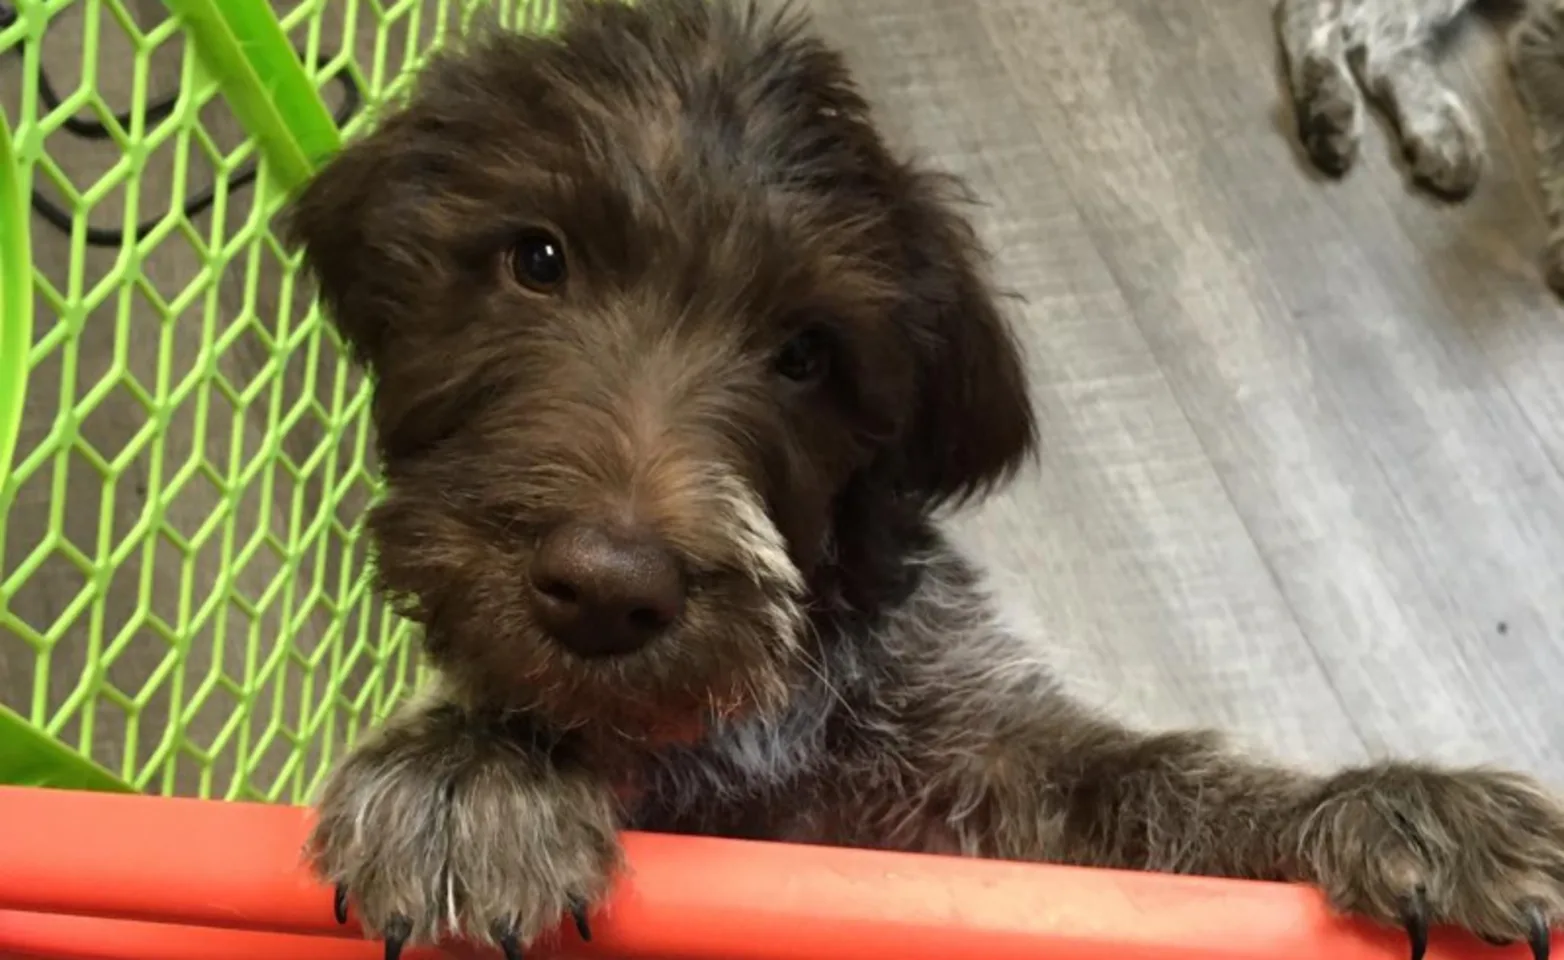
pixel 94 876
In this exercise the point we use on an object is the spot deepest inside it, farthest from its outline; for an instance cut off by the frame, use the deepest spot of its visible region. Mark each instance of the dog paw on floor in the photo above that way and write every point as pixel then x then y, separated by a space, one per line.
pixel 1343 55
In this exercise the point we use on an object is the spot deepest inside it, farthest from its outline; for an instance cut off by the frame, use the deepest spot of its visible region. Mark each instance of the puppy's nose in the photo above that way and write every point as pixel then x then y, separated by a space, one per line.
pixel 601 593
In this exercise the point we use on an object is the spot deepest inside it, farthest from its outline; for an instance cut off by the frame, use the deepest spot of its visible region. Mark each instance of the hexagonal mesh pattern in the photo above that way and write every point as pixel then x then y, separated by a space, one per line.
pixel 183 589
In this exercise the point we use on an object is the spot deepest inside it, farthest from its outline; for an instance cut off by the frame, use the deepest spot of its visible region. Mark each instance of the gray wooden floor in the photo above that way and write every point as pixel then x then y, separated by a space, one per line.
pixel 1302 440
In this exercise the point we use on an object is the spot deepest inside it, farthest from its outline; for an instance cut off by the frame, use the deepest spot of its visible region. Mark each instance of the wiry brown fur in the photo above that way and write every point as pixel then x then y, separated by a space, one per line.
pixel 837 674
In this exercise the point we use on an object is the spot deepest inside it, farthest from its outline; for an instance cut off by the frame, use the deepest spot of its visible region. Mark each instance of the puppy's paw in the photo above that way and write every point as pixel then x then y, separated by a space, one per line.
pixel 476 840
pixel 1413 847
pixel 1330 114
pixel 1553 266
pixel 1444 151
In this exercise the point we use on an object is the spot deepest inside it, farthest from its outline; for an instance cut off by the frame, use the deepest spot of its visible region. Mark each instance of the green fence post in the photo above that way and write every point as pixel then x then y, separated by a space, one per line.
pixel 31 758
pixel 243 45
pixel 16 301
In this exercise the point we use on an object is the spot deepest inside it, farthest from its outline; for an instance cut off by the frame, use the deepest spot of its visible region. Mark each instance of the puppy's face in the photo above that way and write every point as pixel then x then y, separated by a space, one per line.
pixel 641 301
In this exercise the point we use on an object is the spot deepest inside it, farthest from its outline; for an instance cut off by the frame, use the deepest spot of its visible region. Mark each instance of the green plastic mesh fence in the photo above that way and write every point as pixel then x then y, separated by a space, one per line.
pixel 184 606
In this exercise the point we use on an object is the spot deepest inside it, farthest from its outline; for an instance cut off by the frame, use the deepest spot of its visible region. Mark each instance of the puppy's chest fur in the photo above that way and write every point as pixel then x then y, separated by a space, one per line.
pixel 866 729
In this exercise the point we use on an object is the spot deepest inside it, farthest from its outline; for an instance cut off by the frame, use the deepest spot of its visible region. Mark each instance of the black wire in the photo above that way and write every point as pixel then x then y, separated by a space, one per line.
pixel 155 111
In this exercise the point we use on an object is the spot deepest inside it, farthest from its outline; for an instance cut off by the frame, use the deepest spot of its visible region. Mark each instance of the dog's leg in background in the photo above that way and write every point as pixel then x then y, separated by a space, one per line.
pixel 1326 101
pixel 445 822
pixel 1390 43
pixel 1537 63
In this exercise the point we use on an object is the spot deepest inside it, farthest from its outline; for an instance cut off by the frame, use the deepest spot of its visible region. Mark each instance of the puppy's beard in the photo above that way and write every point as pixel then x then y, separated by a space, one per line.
pixel 760 553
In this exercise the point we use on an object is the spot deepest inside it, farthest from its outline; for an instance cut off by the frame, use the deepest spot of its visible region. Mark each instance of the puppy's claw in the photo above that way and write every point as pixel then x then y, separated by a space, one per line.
pixel 1415 918
pixel 398 929
pixel 578 913
pixel 1540 935
pixel 339 905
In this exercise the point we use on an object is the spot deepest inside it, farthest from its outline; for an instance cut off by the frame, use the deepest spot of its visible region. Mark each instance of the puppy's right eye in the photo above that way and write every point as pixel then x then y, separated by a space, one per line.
pixel 537 261
pixel 805 358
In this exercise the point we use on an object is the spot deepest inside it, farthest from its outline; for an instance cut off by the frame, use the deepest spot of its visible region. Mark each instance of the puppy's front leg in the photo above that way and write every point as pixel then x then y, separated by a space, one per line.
pixel 1401 843
pixel 452 822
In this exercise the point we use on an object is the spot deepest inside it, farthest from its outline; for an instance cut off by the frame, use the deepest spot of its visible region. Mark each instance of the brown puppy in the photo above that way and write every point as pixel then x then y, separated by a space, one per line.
pixel 675 363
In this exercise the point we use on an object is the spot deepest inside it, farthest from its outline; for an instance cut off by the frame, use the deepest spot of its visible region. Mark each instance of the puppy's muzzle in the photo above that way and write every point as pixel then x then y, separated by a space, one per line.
pixel 603 592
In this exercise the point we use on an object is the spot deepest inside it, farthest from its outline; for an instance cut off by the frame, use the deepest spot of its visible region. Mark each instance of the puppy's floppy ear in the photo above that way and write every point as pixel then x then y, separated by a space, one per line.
pixel 330 220
pixel 972 425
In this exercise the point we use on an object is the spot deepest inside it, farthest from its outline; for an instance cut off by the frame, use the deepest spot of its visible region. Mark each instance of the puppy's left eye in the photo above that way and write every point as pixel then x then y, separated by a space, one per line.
pixel 806 358
pixel 537 261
